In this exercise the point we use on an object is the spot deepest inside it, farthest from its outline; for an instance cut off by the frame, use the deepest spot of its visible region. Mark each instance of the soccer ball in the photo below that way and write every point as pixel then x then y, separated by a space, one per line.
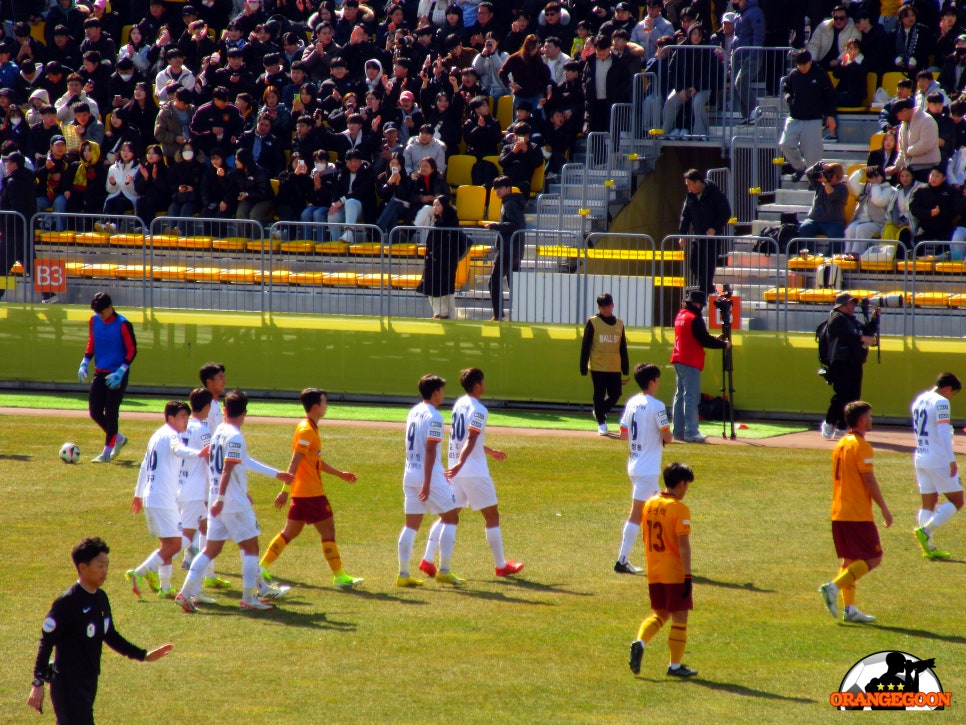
pixel 69 453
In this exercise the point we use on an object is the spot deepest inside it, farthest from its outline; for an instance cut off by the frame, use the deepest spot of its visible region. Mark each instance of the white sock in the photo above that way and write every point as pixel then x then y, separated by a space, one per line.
pixel 432 543
pixel 152 563
pixel 210 571
pixel 447 542
pixel 249 576
pixel 945 512
pixel 405 549
pixel 495 539
pixel 185 544
pixel 192 582
pixel 164 574
pixel 631 532
pixel 923 516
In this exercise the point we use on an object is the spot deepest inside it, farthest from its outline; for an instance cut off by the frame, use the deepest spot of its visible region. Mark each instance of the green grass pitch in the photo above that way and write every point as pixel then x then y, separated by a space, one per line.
pixel 549 646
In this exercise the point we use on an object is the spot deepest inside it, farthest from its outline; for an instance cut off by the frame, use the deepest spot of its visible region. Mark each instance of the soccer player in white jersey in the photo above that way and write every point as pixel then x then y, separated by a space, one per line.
pixel 193 490
pixel 156 495
pixel 644 425
pixel 212 375
pixel 424 483
pixel 469 475
pixel 230 513
pixel 936 469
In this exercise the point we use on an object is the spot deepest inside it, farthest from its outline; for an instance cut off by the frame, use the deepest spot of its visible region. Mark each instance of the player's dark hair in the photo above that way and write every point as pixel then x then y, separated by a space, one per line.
pixel 210 370
pixel 101 301
pixel 644 373
pixel 312 396
pixel 173 407
pixel 88 550
pixel 236 403
pixel 854 412
pixel 676 473
pixel 949 380
pixel 199 398
pixel 470 377
pixel 429 384
pixel 605 299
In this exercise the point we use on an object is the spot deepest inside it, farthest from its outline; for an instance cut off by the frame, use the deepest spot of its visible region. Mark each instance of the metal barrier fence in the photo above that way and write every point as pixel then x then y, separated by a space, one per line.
pixel 755 73
pixel 938 290
pixel 702 68
pixel 548 284
pixel 16 246
pixel 756 170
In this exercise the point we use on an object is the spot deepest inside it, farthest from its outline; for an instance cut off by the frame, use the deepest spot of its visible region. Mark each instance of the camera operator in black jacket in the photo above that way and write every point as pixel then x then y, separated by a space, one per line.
pixel 849 342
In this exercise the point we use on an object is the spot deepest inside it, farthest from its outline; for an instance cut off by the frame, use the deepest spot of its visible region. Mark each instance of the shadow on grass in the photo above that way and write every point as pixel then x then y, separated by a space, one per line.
pixel 14 457
pixel 498 597
pixel 736 689
pixel 747 586
pixel 922 633
pixel 311 620
pixel 376 596
pixel 540 587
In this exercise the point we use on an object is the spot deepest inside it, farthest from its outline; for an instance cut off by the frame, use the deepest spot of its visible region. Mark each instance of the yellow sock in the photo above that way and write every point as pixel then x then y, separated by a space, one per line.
pixel 847 577
pixel 331 551
pixel 676 640
pixel 649 628
pixel 273 551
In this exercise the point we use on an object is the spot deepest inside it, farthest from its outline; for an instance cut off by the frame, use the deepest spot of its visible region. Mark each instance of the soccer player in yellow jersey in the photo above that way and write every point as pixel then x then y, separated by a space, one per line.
pixel 854 488
pixel 309 504
pixel 667 542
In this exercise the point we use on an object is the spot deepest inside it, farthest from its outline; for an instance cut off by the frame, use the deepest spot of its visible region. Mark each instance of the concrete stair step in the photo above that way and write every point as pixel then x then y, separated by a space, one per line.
pixel 794 196
pixel 775 211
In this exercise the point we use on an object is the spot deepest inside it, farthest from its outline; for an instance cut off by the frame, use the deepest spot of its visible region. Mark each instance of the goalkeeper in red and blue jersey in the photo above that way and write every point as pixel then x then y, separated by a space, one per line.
pixel 112 346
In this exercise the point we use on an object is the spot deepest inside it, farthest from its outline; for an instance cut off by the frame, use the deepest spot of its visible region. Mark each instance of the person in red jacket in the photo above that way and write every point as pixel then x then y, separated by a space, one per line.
pixel 691 337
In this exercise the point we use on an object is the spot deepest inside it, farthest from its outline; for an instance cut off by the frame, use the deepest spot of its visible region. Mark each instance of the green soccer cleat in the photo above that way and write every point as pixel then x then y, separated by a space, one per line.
pixel 344 581
pixel 408 581
pixel 135 580
pixel 153 580
pixel 119 442
pixel 936 554
pixel 450 578
pixel 213 582
pixel 923 538
pixel 167 593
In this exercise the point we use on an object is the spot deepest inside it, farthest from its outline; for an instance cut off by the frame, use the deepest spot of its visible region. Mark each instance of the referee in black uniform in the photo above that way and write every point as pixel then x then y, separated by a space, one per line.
pixel 78 623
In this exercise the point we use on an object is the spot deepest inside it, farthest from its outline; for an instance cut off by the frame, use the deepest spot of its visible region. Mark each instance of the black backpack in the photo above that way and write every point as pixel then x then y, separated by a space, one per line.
pixel 824 343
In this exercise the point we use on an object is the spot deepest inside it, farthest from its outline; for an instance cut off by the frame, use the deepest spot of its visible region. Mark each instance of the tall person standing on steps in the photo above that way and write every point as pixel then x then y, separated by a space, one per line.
pixel 604 353
pixel 512 220
pixel 112 346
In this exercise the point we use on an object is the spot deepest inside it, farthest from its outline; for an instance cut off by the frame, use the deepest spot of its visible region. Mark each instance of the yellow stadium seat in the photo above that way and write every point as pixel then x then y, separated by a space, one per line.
pixel 258 245
pixel 277 276
pixel 340 279
pixel 921 264
pixel 195 242
pixel 462 272
pixel 164 241
pixel 231 244
pixel 875 141
pixel 366 249
pixel 406 281
pixel 274 183
pixel 459 169
pixel 203 274
pixel 93 239
pixel 536 181
pixel 471 204
pixel 495 160
pixel 100 270
pixel 493 209
pixel 37 31
pixel 338 247
pixel 174 272
pixel 373 280
pixel 73 269
pixel 957 300
pixel 127 240
pixel 504 111
pixel 402 250
pixel 954 267
pixel 243 276
pixel 845 263
pixel 818 296
pixel 298 246
pixel 780 294
pixel 305 278
pixel 479 251
pixel 932 299
pixel 813 261
pixel 133 271
pixel 890 82
pixel 126 34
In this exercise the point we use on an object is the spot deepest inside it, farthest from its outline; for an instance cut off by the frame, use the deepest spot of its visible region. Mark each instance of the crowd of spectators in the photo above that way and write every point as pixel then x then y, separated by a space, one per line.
pixel 347 112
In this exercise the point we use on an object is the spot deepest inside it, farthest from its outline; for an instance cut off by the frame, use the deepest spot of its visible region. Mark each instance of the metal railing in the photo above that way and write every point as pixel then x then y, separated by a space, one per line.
pixel 755 73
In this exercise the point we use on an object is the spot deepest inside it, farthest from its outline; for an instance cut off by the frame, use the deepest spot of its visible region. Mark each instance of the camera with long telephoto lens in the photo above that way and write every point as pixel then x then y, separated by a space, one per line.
pixel 723 304
pixel 893 301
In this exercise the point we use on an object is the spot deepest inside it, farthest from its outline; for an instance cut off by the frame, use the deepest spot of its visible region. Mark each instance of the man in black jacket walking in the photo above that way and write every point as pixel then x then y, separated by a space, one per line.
pixel 512 219
pixel 811 98
pixel 849 342
pixel 706 212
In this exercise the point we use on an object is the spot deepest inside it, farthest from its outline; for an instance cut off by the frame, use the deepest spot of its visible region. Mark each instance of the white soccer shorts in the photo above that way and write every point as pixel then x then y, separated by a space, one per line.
pixel 193 513
pixel 440 499
pixel 477 492
pixel 937 480
pixel 643 487
pixel 164 523
pixel 238 526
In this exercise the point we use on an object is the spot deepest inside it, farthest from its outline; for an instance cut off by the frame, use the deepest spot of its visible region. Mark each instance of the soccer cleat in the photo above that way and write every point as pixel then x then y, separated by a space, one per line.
pixel 267 591
pixel 449 578
pixel 202 599
pixel 344 581
pixel 167 593
pixel 637 654
pixel 255 605
pixel 213 582
pixel 625 567
pixel 923 538
pixel 407 581
pixel 830 594
pixel 428 568
pixel 153 580
pixel 185 603
pixel 935 553
pixel 854 615
pixel 828 431
pixel 681 670
pixel 840 433
pixel 511 568
pixel 104 457
pixel 119 442
pixel 602 429
pixel 136 581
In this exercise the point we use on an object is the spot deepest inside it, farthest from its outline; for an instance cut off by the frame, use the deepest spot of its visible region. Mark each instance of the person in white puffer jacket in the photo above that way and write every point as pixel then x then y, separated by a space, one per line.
pixel 874 195
pixel 121 195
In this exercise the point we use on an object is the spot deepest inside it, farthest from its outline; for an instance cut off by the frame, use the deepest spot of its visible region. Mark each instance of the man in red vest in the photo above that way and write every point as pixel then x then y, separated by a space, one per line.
pixel 691 337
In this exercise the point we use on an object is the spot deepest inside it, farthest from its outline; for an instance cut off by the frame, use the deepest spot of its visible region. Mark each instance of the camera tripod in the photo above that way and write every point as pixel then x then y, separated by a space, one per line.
pixel 723 304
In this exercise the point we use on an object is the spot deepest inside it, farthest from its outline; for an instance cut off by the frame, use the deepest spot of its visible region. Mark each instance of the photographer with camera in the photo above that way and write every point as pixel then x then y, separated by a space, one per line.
pixel 848 341
pixel 827 215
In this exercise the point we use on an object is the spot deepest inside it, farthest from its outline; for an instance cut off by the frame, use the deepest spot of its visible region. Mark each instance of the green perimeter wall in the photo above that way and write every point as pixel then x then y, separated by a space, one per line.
pixel 374 357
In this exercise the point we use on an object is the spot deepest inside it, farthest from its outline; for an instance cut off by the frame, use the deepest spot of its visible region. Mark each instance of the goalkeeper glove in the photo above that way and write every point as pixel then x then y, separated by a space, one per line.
pixel 113 380
pixel 686 592
pixel 82 373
